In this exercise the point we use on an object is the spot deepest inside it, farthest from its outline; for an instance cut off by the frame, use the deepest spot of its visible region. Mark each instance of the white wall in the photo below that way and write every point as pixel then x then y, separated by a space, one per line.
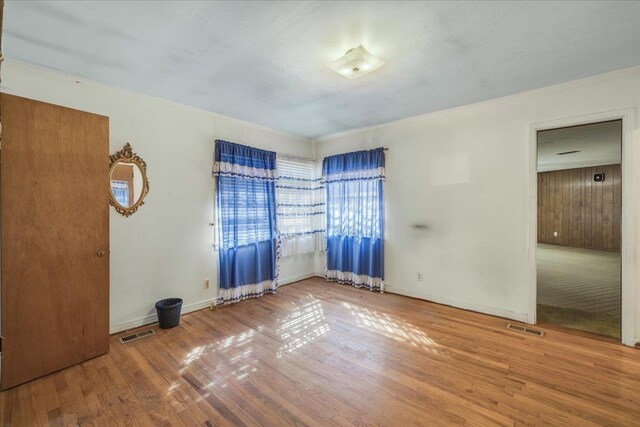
pixel 165 249
pixel 464 174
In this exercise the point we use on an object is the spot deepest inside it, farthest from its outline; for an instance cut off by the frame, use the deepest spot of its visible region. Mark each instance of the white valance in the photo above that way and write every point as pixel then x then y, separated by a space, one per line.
pixel 364 174
pixel 234 169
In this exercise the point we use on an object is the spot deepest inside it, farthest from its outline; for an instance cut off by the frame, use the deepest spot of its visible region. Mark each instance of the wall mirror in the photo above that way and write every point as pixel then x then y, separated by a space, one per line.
pixel 128 182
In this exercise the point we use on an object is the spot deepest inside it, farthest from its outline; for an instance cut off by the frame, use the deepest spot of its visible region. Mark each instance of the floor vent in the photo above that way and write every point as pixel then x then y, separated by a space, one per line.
pixel 519 328
pixel 136 336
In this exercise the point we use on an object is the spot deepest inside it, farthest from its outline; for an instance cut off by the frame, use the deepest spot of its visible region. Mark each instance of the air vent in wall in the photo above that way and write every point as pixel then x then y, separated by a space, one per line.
pixel 136 336
pixel 520 328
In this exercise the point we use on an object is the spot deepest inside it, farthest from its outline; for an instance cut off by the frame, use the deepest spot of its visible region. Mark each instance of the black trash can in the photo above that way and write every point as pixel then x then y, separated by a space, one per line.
pixel 169 312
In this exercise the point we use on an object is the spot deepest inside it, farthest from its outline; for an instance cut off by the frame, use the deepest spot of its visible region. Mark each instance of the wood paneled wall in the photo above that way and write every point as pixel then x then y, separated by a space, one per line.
pixel 583 213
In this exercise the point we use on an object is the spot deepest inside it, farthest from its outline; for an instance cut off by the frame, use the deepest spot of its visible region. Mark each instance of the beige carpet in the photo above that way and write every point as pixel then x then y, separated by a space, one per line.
pixel 579 288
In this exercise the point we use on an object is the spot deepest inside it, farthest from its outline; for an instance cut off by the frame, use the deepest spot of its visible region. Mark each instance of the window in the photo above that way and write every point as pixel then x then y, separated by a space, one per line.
pixel 300 206
pixel 354 209
pixel 120 190
pixel 244 211
pixel 355 220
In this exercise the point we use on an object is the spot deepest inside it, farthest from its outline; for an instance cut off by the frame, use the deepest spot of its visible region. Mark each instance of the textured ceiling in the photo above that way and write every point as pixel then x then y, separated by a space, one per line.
pixel 265 61
pixel 598 144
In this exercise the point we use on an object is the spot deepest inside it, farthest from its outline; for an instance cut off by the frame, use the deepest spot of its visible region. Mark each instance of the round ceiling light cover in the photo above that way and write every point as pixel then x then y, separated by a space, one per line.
pixel 356 63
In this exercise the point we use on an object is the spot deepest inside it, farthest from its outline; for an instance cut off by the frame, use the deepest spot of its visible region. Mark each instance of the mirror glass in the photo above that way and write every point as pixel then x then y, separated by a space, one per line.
pixel 127 183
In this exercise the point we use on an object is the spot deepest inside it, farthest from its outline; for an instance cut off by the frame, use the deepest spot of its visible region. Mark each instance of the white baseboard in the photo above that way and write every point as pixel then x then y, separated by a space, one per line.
pixel 484 309
pixel 297 278
pixel 153 318
pixel 188 308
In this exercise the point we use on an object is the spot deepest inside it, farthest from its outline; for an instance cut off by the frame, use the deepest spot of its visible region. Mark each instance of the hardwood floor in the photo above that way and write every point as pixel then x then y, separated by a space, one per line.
pixel 318 353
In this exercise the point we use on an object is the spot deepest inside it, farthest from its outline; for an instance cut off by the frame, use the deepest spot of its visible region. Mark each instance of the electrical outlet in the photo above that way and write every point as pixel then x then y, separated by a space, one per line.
pixel 419 277
pixel 207 283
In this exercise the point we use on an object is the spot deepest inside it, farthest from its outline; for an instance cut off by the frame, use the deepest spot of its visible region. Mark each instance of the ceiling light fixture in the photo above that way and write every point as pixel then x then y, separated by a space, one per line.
pixel 356 63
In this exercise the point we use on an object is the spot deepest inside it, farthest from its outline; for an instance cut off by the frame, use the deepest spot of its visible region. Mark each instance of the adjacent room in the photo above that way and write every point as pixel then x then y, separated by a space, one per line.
pixel 274 213
pixel 579 229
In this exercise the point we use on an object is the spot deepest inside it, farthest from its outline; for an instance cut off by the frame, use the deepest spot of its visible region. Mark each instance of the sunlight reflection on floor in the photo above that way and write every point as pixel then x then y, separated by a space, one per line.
pixel 396 329
pixel 233 341
pixel 302 326
pixel 234 357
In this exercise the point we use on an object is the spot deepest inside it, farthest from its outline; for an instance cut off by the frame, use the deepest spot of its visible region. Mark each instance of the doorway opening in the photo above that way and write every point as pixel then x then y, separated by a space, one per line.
pixel 579 213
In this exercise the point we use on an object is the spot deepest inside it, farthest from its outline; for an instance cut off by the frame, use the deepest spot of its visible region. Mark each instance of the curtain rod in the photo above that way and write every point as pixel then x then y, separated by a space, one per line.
pixel 291 156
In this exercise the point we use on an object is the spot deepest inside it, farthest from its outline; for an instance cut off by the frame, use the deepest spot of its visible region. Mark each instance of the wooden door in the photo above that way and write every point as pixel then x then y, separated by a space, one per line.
pixel 55 220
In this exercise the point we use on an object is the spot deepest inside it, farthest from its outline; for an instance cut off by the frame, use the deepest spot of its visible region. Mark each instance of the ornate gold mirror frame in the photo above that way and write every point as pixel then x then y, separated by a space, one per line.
pixel 127 156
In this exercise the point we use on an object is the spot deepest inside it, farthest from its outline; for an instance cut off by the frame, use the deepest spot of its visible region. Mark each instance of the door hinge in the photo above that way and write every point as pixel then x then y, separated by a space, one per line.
pixel 1 341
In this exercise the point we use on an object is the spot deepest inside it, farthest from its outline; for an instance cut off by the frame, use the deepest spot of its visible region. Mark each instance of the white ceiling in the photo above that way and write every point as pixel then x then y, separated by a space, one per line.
pixel 265 61
pixel 598 144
